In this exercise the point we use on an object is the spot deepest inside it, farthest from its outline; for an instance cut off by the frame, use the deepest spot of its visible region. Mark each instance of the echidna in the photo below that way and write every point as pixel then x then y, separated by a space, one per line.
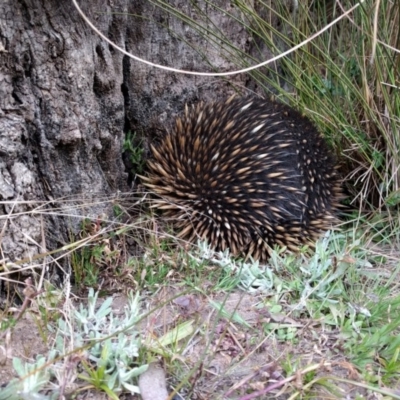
pixel 245 175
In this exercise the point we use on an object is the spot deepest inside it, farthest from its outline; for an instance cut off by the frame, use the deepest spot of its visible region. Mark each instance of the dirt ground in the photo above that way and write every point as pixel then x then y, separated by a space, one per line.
pixel 25 342
pixel 231 353
pixel 237 356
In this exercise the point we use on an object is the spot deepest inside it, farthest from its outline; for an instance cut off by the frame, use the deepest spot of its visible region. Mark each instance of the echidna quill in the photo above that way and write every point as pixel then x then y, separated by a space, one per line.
pixel 245 175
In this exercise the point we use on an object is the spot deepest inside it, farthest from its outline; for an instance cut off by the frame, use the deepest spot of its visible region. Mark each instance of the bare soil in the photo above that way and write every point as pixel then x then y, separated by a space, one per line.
pixel 230 354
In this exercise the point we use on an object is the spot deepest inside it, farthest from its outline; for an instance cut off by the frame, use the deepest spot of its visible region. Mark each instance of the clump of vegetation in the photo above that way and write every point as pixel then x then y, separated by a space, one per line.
pixel 346 80
pixel 92 337
pixel 134 153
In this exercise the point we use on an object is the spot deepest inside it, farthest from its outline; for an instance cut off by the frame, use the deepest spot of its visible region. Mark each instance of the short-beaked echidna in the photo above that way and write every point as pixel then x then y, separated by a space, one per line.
pixel 245 175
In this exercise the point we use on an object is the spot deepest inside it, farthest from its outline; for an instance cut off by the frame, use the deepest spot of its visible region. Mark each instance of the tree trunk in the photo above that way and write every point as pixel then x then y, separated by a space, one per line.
pixel 68 99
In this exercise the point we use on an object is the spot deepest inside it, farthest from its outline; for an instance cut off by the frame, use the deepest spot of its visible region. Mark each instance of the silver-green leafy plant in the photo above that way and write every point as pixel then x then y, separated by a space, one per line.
pixel 33 377
pixel 252 276
pixel 107 346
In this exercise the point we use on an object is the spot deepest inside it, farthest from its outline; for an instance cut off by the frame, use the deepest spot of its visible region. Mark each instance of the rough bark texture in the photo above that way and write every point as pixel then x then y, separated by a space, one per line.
pixel 68 99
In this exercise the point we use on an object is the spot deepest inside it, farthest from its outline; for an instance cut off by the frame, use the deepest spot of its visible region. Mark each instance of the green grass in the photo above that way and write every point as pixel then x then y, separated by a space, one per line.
pixel 134 152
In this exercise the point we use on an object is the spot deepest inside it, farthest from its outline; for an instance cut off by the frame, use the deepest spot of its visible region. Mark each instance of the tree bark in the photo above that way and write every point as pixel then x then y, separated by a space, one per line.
pixel 68 99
